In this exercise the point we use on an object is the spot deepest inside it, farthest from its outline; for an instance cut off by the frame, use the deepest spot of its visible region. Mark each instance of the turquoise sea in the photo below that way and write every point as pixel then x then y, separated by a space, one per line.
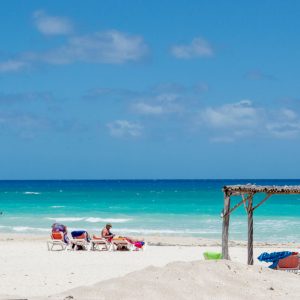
pixel 144 207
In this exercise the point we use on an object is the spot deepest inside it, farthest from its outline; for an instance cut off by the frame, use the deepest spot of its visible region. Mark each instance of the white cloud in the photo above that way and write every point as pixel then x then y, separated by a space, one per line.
pixel 288 114
pixel 240 114
pixel 165 103
pixel 123 128
pixel 52 25
pixel 12 66
pixel 284 129
pixel 233 121
pixel 199 47
pixel 110 47
pixel 284 123
pixel 147 109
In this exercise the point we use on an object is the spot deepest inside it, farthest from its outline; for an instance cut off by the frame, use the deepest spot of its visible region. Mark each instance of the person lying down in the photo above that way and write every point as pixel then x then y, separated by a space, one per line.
pixel 121 242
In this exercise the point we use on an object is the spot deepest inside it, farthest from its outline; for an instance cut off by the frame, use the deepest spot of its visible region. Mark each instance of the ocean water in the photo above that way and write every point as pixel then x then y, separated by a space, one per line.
pixel 144 207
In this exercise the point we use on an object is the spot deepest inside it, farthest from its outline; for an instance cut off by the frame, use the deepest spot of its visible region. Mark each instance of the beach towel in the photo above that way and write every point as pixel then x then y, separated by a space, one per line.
pixel 137 244
pixel 274 257
pixel 79 233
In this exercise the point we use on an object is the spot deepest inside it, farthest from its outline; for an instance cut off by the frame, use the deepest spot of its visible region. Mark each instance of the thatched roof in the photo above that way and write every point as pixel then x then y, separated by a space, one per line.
pixel 268 189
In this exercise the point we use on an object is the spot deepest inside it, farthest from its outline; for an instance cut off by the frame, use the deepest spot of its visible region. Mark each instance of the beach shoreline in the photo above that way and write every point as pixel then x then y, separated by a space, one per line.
pixel 29 270
pixel 159 240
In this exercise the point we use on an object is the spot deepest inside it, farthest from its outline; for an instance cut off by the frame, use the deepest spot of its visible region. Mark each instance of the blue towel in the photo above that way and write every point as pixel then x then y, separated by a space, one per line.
pixel 274 257
pixel 79 233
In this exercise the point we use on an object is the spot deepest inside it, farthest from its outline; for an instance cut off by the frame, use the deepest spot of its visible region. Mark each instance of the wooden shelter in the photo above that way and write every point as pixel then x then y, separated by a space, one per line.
pixel 247 193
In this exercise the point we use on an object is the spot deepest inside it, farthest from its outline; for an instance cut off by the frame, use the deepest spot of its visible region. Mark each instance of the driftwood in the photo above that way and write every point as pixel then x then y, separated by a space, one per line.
pixel 250 190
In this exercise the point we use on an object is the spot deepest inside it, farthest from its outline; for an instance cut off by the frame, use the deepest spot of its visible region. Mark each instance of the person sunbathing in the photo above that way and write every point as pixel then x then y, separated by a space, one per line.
pixel 121 242
pixel 57 227
pixel 81 235
pixel 106 233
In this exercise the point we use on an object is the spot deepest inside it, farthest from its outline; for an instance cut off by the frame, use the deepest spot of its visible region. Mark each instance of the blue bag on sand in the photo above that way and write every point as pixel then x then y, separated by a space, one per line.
pixel 274 257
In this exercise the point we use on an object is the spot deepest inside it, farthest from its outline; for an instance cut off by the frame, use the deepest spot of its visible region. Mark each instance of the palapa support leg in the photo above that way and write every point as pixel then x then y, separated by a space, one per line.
pixel 250 231
pixel 225 228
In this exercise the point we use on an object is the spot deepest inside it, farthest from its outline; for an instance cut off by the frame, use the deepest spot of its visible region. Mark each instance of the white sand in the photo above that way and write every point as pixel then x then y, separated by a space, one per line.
pixel 193 281
pixel 28 270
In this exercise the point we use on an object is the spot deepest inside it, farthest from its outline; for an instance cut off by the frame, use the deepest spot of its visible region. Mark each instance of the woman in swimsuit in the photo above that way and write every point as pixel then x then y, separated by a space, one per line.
pixel 105 233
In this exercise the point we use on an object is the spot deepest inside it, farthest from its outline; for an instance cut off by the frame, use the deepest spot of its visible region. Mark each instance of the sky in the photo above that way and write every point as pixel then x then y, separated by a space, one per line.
pixel 149 89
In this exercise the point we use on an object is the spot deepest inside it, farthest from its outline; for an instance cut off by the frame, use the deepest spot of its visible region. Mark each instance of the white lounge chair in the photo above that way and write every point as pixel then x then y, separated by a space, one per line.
pixel 57 239
pixel 80 241
pixel 100 244
pixel 124 244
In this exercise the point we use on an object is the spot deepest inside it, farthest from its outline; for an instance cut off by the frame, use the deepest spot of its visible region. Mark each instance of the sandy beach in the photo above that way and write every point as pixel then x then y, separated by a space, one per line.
pixel 169 268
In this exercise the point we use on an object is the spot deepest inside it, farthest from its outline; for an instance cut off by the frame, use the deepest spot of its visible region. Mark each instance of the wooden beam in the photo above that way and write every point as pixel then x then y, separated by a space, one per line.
pixel 250 231
pixel 262 201
pixel 225 227
pixel 235 207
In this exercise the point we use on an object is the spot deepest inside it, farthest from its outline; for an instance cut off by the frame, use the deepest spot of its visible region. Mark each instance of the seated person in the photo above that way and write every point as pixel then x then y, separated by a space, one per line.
pixel 106 233
pixel 120 241
pixel 57 227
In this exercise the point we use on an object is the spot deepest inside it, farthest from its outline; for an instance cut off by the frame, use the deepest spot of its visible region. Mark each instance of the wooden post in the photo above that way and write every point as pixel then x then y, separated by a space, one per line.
pixel 250 230
pixel 225 228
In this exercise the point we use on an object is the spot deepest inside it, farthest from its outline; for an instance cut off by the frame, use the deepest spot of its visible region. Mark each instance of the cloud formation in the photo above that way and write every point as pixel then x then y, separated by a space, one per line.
pixel 124 128
pixel 233 121
pixel 158 104
pixel 52 25
pixel 199 47
pixel 106 47
pixel 148 109
pixel 240 114
pixel 12 65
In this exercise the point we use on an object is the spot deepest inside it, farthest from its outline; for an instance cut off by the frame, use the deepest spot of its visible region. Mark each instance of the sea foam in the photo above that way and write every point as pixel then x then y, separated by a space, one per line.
pixel 89 219
pixel 66 219
pixel 111 220
pixel 27 228
pixel 31 193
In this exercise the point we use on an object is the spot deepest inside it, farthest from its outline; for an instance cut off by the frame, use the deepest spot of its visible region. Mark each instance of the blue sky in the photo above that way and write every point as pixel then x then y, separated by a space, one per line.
pixel 149 89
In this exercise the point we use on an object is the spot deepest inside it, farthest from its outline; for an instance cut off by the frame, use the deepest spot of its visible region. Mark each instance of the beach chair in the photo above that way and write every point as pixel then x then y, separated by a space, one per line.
pixel 57 239
pixel 290 264
pixel 99 243
pixel 125 244
pixel 137 246
pixel 80 241
pixel 120 244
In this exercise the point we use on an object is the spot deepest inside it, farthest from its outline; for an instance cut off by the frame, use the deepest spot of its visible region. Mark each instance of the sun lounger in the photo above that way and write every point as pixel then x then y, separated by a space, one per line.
pixel 120 244
pixel 136 245
pixel 57 239
pixel 290 264
pixel 99 243
pixel 80 241
pixel 125 244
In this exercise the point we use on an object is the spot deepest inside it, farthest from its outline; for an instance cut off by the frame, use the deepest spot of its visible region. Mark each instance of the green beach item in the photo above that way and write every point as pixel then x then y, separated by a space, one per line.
pixel 212 255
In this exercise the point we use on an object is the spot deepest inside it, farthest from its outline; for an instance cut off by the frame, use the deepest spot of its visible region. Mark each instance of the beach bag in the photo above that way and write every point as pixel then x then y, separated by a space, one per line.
pixel 212 255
